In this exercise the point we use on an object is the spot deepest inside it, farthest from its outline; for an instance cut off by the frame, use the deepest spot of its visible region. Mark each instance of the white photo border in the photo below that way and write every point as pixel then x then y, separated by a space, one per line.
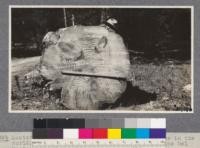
pixel 99 111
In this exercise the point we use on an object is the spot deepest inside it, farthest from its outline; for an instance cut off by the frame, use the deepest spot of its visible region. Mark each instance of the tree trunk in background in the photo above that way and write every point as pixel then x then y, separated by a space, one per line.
pixel 73 20
pixel 65 18
pixel 103 15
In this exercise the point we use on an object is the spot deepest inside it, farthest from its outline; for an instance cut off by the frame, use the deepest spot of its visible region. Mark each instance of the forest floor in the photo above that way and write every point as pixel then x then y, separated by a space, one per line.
pixel 154 86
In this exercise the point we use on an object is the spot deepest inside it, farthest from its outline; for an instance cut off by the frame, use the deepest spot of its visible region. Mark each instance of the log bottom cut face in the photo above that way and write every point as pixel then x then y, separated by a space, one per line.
pixel 82 49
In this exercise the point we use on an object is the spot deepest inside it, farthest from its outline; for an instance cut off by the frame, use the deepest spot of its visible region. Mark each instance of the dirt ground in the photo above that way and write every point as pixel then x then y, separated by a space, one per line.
pixel 154 86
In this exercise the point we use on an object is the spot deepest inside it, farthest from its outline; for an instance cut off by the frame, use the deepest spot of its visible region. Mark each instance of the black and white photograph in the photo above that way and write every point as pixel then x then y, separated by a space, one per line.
pixel 106 59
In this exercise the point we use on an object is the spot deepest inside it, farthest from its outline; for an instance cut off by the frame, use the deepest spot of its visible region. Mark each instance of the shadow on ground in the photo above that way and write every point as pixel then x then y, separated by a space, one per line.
pixel 132 96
